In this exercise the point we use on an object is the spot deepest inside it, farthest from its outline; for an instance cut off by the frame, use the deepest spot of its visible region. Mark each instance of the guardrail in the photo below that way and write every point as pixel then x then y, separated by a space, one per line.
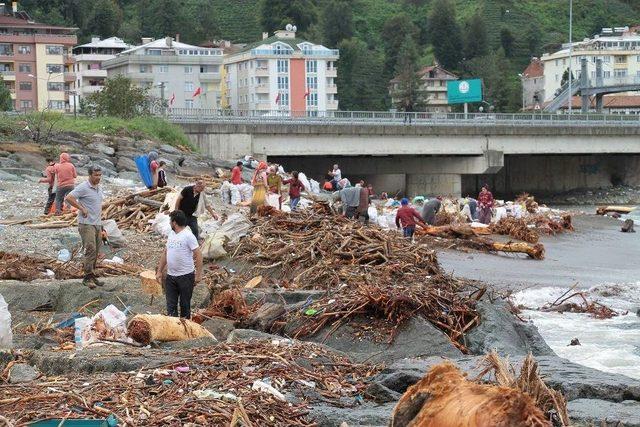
pixel 377 118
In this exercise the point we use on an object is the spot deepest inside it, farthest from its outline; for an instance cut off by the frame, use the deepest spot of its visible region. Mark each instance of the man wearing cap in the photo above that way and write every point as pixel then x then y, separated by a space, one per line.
pixel 407 217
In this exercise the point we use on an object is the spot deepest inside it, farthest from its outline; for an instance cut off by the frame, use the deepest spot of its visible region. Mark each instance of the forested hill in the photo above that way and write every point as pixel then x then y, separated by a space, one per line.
pixel 490 38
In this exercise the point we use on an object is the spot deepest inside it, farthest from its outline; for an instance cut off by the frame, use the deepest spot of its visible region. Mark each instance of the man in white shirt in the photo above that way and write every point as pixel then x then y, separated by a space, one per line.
pixel 182 260
pixel 336 176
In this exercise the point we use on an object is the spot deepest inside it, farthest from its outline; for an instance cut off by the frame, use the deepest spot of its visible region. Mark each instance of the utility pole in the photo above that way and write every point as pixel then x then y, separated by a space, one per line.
pixel 570 54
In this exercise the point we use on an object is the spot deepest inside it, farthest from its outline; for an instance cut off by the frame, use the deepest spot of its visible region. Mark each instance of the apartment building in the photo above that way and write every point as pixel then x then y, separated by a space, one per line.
pixel 282 73
pixel 433 89
pixel 186 76
pixel 87 66
pixel 533 79
pixel 35 61
pixel 618 48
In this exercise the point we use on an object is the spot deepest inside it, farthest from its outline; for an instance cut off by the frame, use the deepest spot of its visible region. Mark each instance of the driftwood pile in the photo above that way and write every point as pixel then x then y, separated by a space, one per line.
pixel 212 387
pixel 368 271
pixel 28 268
pixel 516 228
pixel 528 201
pixel 578 302
pixel 131 212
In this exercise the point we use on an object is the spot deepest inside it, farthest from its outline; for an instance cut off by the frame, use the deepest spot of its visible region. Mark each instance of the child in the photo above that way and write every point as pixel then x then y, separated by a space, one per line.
pixel 162 176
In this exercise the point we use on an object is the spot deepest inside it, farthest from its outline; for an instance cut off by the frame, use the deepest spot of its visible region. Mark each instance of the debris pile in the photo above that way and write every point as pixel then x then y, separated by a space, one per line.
pixel 28 268
pixel 368 271
pixel 134 211
pixel 229 384
pixel 580 304
pixel 515 228
pixel 444 394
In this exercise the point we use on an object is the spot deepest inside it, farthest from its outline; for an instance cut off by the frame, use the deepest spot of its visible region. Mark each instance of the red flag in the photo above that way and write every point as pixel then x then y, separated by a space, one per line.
pixel 306 93
pixel 278 98
pixel 172 99
pixel 197 92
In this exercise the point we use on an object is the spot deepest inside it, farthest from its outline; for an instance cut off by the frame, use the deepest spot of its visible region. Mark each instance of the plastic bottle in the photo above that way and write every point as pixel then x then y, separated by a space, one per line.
pixel 6 337
pixel 79 326
pixel 64 255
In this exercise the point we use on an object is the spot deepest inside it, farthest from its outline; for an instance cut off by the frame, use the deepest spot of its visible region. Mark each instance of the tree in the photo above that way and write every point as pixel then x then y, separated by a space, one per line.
pixel 532 39
pixel 106 18
pixel 506 40
pixel 502 86
pixel 393 35
pixel 119 98
pixel 445 34
pixel 276 14
pixel 337 22
pixel 361 82
pixel 476 40
pixel 565 77
pixel 407 93
pixel 6 103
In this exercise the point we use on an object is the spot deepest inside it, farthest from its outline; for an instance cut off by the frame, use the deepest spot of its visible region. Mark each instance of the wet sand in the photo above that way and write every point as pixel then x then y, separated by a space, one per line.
pixel 597 252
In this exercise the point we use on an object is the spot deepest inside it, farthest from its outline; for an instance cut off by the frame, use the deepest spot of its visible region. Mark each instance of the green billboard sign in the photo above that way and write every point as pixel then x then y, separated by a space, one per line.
pixel 462 91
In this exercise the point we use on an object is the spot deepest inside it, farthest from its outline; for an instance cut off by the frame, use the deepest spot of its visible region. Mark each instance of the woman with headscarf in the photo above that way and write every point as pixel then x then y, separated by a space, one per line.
pixel 485 203
pixel 153 167
pixel 274 182
pixel 259 182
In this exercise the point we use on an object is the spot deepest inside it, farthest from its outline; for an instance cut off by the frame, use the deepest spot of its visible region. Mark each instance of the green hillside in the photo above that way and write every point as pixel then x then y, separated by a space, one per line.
pixel 515 31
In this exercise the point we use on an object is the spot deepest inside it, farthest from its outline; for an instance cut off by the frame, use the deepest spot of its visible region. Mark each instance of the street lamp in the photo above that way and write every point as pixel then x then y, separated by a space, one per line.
pixel 522 77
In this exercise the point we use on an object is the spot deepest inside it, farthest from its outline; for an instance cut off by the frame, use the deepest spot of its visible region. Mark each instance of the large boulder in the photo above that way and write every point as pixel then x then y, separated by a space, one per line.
pixel 30 160
pixel 416 338
pixel 126 164
pixel 368 414
pixel 166 148
pixel 219 327
pixel 102 148
pixel 595 412
pixel 22 373
pixel 501 330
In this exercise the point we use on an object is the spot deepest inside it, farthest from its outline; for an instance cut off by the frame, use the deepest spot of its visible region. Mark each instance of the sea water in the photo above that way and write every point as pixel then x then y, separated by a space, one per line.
pixel 610 345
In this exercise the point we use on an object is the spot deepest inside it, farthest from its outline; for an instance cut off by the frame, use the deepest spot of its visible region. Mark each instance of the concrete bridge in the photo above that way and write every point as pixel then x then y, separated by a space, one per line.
pixel 451 155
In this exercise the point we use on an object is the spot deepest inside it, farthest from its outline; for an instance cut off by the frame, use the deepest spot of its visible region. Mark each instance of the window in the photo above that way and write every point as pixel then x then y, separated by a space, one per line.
pixel 154 52
pixel 55 86
pixel 188 69
pixel 638 58
pixel 25 85
pixel 26 104
pixel 283 66
pixel 24 68
pixel 284 99
pixel 564 61
pixel 606 74
pixel 312 83
pixel 56 105
pixel 188 103
pixel 163 69
pixel 144 68
pixel 189 87
pixel 312 100
pixel 24 50
pixel 620 73
pixel 557 62
pixel 606 58
pixel 283 83
pixel 557 79
pixel 281 49
pixel 312 66
pixel 54 50
pixel 620 59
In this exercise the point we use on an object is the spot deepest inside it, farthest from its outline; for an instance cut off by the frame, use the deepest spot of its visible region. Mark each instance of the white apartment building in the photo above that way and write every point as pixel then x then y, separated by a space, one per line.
pixel 185 76
pixel 618 48
pixel 87 66
pixel 282 73
pixel 433 89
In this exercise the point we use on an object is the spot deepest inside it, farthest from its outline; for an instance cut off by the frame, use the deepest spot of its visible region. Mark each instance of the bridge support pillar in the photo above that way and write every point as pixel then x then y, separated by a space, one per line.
pixel 584 82
pixel 434 184
pixel 599 103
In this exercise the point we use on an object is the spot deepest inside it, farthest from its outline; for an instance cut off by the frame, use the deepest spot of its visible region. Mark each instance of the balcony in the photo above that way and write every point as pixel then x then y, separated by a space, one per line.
pixel 9 76
pixel 69 77
pixel 332 72
pixel 332 104
pixel 68 59
pixel 332 89
pixel 262 88
pixel 86 90
pixel 209 77
pixel 262 71
pixel 263 105
pixel 92 73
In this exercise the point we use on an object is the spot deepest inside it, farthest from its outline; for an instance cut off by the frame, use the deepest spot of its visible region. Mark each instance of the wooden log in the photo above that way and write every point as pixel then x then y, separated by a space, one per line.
pixel 601 210
pixel 148 202
pixel 534 251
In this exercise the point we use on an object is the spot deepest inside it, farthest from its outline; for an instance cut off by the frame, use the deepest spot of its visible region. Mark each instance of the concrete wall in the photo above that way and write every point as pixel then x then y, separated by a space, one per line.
pixel 544 175
pixel 223 146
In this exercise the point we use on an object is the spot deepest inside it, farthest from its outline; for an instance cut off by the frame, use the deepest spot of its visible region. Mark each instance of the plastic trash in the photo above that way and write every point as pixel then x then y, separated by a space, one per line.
pixel 112 316
pixel 6 336
pixel 182 369
pixel 161 224
pixel 266 388
pixel 116 239
pixel 114 260
pixel 64 255
pixel 236 196
pixel 311 312
pixel 80 325
pixel 212 394
pixel 70 321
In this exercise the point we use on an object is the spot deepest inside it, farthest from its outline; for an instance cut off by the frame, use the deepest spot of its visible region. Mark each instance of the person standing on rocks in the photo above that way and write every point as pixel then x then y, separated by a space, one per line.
pixel 407 218
pixel 50 179
pixel 66 175
pixel 336 176
pixel 182 261
pixel 295 188
pixel 87 198
pixel 190 204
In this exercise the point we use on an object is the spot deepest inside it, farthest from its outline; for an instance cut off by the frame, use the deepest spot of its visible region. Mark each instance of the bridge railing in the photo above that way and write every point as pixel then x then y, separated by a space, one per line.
pixel 389 118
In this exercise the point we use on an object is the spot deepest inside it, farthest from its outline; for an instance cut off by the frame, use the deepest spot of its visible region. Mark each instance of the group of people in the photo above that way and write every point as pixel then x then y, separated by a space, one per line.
pixel 267 180
pixel 408 217
pixel 60 179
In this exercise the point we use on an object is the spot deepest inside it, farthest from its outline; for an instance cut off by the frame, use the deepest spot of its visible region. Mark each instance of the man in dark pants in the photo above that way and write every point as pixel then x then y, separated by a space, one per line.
pixel 182 261
pixel 188 203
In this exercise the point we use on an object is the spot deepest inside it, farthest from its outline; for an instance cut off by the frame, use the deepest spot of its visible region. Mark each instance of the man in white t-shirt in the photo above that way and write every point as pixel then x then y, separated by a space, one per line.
pixel 336 176
pixel 182 260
